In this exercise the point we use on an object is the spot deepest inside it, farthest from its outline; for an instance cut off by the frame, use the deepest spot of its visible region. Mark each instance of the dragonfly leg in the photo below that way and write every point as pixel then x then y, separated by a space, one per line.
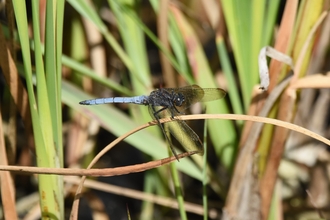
pixel 155 113
pixel 164 108
pixel 178 111
pixel 158 111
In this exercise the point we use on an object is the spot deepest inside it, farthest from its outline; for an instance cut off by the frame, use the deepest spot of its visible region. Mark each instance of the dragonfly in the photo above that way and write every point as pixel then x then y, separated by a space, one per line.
pixel 171 103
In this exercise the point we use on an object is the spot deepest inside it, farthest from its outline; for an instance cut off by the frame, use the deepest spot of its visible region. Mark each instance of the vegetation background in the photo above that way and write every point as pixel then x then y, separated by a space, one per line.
pixel 57 53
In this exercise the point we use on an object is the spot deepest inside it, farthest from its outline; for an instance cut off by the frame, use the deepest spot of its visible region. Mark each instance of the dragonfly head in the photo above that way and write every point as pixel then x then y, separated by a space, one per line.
pixel 179 99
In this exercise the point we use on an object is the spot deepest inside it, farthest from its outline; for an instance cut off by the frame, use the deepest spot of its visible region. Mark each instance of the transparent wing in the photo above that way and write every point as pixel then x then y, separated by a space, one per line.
pixel 156 116
pixel 211 94
pixel 179 129
pixel 186 136
pixel 194 93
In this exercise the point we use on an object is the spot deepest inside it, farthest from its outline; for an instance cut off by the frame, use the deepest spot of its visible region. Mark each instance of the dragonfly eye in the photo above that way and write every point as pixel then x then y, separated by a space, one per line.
pixel 179 100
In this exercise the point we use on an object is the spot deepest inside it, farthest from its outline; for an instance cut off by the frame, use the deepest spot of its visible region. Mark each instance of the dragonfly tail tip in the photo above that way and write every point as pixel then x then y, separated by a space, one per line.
pixel 83 103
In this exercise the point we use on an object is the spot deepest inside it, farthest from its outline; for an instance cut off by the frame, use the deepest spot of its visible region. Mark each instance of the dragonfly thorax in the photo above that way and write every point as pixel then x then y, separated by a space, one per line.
pixel 166 97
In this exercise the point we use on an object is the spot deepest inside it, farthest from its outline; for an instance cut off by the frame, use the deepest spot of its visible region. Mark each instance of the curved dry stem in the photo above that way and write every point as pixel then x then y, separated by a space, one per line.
pixel 116 171
pixel 153 164
pixel 104 172
pixel 143 196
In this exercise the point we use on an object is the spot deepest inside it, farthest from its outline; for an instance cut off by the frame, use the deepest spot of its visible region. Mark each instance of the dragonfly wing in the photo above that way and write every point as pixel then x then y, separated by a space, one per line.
pixel 156 114
pixel 186 136
pixel 179 129
pixel 211 94
pixel 194 93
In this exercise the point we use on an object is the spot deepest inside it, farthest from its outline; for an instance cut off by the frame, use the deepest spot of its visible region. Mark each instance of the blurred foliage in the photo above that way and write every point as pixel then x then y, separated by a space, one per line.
pixel 77 50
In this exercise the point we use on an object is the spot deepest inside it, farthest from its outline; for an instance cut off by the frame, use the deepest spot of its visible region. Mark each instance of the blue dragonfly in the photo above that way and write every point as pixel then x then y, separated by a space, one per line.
pixel 170 103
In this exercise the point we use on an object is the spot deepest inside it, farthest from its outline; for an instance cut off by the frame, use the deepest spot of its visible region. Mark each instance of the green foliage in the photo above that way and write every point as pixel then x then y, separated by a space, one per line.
pixel 125 33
